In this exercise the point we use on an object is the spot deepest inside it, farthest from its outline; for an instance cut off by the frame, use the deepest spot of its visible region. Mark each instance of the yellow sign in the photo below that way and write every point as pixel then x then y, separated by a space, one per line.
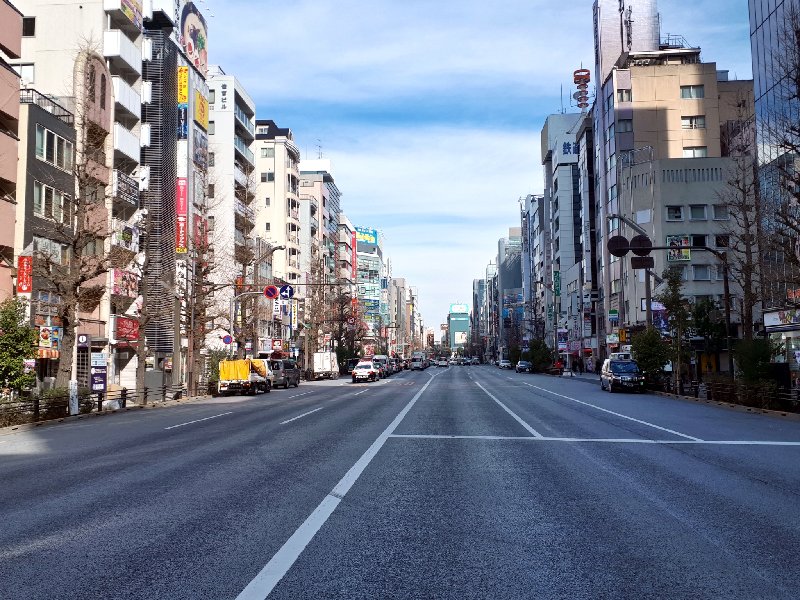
pixel 200 110
pixel 183 85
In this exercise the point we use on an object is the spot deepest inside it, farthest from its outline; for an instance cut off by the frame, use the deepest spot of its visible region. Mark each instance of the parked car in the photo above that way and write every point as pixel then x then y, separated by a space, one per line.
pixel 504 363
pixel 524 366
pixel 619 374
pixel 365 370
pixel 382 362
pixel 286 372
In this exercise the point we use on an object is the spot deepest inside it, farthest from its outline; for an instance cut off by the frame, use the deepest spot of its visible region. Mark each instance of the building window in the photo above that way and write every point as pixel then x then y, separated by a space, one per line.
pixel 697 212
pixel 51 204
pixel 26 73
pixel 721 241
pixel 721 212
pixel 267 152
pixel 270 176
pixel 701 272
pixel 39 141
pixel 211 222
pixel 624 125
pixel 210 159
pixel 624 96
pixel 103 91
pixel 211 128
pixel 698 241
pixel 211 190
pixel 674 213
pixel 695 152
pixel 28 26
pixel 54 149
pixel 91 83
pixel 212 95
pixel 263 177
pixel 266 201
pixel 611 132
pixel 267 227
pixel 692 92
pixel 698 122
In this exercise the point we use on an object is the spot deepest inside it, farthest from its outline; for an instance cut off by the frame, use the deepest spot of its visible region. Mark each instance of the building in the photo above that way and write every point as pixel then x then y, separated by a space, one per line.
pixel 371 282
pixel 10 48
pixel 458 327
pixel 317 183
pixel 509 288
pixel 398 326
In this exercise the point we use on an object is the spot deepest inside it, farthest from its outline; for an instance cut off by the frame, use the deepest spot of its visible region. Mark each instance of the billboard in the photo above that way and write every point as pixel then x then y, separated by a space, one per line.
pixel 183 85
pixel 679 248
pixel 457 309
pixel 24 274
pixel 200 156
pixel 200 110
pixel 49 337
pixel 124 283
pixel 193 35
pixel 181 215
pixel 366 235
pixel 133 10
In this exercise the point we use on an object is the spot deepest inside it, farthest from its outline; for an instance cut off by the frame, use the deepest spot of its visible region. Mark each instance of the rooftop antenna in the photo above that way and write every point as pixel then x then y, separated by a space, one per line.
pixel 319 148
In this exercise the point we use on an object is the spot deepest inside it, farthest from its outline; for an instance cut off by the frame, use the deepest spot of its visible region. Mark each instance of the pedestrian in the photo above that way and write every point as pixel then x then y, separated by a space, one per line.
pixel 580 367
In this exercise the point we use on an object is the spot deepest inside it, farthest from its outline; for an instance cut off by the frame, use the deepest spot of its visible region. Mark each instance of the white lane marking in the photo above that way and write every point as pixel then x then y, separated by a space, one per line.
pixel 303 394
pixel 361 392
pixel 301 416
pixel 527 427
pixel 611 412
pixel 600 440
pixel 198 420
pixel 266 580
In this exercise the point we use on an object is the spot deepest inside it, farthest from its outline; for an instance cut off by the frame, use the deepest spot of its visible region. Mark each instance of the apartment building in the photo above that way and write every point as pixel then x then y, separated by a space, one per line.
pixel 10 48
pixel 317 184
pixel 277 205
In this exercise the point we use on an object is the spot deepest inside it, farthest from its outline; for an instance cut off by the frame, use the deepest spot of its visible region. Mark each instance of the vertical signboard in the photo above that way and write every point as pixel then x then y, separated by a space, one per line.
pixel 181 215
pixel 354 252
pixel 183 103
pixel 193 35
pixel 24 274
pixel 200 110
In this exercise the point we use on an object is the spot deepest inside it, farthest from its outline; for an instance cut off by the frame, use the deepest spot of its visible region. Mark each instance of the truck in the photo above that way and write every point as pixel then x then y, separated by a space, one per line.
pixel 244 376
pixel 325 366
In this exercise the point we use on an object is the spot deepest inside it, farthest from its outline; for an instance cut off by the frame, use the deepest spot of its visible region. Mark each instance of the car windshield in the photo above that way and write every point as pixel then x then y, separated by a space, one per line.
pixel 624 367
pixel 363 367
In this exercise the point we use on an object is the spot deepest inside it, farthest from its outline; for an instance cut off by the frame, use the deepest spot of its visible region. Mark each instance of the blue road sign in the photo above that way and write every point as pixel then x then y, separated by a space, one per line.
pixel 287 292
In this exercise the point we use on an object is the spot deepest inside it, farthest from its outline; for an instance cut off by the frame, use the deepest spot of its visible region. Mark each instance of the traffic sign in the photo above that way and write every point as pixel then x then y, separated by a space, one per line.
pixel 287 292
pixel 227 339
pixel 84 340
pixel 271 291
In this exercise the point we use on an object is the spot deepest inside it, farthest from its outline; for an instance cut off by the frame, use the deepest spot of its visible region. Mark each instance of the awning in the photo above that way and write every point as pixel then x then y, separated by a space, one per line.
pixel 47 353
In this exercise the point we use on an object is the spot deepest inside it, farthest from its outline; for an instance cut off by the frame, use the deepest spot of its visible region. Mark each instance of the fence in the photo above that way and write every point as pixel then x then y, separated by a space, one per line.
pixel 765 396
pixel 48 406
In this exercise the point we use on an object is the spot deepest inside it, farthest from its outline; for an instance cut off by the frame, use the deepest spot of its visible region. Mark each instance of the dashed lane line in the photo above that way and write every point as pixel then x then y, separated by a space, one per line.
pixel 197 420
pixel 301 416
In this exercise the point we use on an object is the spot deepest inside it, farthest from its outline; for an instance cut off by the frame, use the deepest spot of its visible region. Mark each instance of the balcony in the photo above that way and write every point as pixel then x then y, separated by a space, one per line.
pixel 246 153
pixel 127 99
pixel 244 120
pixel 124 236
pixel 160 12
pixel 122 53
pixel 147 92
pixel 115 9
pixel 11 31
pixel 239 176
pixel 244 211
pixel 293 239
pixel 239 238
pixel 293 213
pixel 126 193
pixel 126 143
pixel 293 264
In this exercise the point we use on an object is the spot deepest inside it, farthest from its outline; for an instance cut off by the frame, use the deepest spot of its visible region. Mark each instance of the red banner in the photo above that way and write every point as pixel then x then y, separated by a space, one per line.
pixel 127 329
pixel 354 257
pixel 181 215
pixel 24 274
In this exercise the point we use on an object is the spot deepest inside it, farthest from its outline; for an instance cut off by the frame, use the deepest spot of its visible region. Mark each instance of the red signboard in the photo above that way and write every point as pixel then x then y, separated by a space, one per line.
pixel 24 274
pixel 181 214
pixel 127 329
pixel 354 257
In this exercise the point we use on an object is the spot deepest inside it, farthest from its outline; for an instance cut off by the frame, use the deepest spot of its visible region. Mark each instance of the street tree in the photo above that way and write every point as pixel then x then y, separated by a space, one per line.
pixel 17 343
pixel 651 354
pixel 679 318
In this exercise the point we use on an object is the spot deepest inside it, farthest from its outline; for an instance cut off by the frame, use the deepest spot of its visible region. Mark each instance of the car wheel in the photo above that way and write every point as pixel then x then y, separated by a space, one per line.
pixel 297 382
pixel 286 384
pixel 268 387
pixel 610 387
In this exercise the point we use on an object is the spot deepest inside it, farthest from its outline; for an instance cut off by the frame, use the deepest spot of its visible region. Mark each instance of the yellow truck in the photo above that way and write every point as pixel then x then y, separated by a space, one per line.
pixel 244 376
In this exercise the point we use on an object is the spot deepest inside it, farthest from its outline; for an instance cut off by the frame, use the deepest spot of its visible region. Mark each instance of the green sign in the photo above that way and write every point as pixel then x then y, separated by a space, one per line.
pixel 549 312
pixel 557 283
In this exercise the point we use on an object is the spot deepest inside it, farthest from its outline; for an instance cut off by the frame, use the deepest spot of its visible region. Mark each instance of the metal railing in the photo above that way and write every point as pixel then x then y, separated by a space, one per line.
pixel 763 396
pixel 35 408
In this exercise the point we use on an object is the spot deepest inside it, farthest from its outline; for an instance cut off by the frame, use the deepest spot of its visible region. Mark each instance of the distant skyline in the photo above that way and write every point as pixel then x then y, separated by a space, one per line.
pixel 430 112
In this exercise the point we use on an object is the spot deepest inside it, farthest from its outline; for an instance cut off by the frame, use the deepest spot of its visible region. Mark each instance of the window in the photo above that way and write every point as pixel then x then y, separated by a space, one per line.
pixel 625 125
pixel 698 122
pixel 26 72
pixel 211 222
pixel 721 241
pixel 674 213
pixel 266 227
pixel 60 152
pixel 50 148
pixel 691 92
pixel 698 241
pixel 270 176
pixel 28 26
pixel 210 159
pixel 624 96
pixel 211 128
pixel 611 131
pixel 697 212
pixel 721 212
pixel 103 82
pixel 39 141
pixel 266 201
pixel 268 153
pixel 212 96
pixel 38 198
pixel 701 272
pixel 91 83
pixel 695 152
pixel 264 177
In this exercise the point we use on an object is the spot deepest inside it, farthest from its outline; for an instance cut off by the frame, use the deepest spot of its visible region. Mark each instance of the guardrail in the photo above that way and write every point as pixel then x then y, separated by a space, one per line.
pixel 761 397
pixel 38 408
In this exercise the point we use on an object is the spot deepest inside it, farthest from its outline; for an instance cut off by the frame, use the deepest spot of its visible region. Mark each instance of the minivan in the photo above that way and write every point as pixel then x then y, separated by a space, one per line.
pixel 286 372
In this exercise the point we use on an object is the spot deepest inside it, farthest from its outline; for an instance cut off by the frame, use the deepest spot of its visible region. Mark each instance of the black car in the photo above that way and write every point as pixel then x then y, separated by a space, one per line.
pixel 524 366
pixel 621 375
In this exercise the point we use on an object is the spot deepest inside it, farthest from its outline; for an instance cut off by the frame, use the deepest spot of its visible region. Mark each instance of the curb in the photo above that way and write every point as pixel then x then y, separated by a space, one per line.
pixel 736 407
pixel 71 419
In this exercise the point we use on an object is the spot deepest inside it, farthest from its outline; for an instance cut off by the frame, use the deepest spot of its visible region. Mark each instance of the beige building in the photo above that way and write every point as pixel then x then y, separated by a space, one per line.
pixel 10 45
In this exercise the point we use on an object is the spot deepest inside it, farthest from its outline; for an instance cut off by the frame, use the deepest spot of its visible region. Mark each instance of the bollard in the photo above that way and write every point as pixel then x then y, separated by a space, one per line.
pixel 123 398
pixel 164 394
pixel 100 402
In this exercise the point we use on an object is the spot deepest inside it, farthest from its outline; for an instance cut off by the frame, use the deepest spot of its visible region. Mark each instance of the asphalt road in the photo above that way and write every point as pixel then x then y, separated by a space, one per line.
pixel 464 482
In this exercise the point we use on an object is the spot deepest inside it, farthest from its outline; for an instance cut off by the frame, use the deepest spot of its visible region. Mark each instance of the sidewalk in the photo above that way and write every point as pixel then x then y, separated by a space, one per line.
pixel 591 377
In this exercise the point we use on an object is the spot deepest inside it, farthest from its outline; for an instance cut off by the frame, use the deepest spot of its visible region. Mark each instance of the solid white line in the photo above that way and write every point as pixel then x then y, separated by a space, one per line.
pixel 611 412
pixel 266 580
pixel 301 416
pixel 601 440
pixel 527 427
pixel 198 420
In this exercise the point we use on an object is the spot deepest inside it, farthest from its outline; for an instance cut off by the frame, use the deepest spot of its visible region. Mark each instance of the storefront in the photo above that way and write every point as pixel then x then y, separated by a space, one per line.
pixel 783 328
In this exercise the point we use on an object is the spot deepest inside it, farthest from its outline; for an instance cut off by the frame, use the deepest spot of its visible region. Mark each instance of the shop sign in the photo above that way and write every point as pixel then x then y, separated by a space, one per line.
pixel 183 85
pixel 612 338
pixel 181 215
pixel 24 274
pixel 50 337
pixel 782 318
pixel 201 110
pixel 678 248
pixel 127 329
pixel 99 378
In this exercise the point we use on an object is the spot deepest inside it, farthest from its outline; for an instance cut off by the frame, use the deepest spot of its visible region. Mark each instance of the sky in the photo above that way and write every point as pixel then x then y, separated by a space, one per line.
pixel 431 111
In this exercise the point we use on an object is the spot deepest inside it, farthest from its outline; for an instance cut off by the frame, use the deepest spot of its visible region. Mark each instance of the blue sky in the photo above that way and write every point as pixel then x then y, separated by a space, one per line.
pixel 430 111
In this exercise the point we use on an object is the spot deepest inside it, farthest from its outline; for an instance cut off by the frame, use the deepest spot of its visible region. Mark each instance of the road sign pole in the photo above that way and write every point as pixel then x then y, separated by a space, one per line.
pixel 648 292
